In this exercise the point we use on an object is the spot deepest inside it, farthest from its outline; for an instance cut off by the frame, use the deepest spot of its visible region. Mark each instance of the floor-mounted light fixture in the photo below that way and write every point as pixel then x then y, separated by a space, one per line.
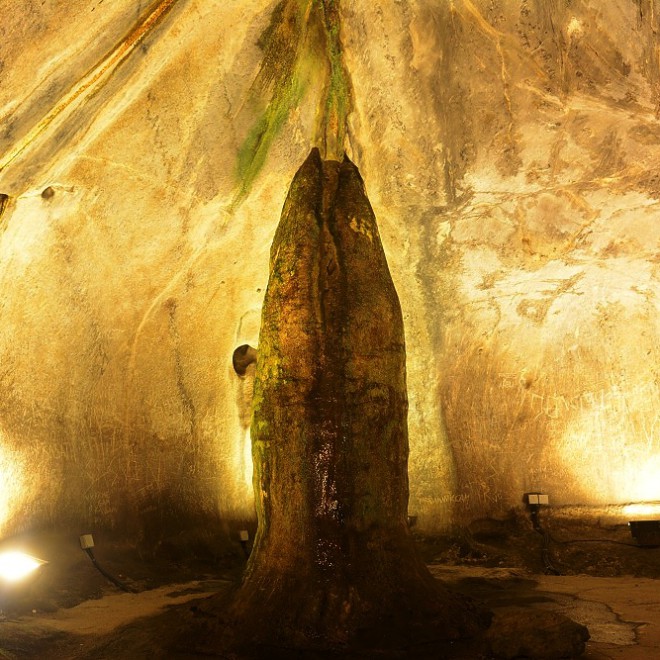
pixel 645 532
pixel 15 565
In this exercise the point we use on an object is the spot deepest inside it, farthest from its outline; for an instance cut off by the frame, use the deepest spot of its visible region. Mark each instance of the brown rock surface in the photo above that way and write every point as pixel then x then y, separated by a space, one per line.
pixel 510 152
pixel 333 565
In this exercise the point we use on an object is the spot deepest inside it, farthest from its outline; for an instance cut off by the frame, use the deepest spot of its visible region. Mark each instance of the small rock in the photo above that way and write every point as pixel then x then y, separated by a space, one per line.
pixel 519 632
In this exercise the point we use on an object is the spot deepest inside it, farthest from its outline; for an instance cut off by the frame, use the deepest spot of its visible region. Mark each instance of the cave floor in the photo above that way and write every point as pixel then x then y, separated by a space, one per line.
pixel 71 611
pixel 621 613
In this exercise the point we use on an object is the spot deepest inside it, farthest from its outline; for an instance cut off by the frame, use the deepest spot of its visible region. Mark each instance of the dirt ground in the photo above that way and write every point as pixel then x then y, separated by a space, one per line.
pixel 599 547
pixel 70 610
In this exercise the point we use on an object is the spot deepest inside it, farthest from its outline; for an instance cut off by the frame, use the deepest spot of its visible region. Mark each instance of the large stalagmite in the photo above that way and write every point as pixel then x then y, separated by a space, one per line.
pixel 333 562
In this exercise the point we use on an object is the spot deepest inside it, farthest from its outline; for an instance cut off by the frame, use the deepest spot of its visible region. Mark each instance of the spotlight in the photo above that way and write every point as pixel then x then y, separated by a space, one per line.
pixel 642 510
pixel 14 565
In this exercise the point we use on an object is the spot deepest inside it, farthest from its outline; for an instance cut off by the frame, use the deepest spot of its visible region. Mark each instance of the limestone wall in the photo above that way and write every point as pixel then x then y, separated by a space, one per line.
pixel 509 149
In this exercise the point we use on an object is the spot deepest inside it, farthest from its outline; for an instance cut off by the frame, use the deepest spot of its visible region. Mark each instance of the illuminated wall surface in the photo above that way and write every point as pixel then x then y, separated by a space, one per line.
pixel 511 152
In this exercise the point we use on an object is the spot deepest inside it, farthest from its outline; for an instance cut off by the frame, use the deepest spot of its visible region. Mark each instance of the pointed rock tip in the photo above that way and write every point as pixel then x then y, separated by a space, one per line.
pixel 310 169
pixel 315 163
pixel 314 157
pixel 350 169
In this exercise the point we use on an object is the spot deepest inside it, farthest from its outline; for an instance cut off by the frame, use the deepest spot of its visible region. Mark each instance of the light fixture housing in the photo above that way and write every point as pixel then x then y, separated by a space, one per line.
pixel 645 532
pixel 537 499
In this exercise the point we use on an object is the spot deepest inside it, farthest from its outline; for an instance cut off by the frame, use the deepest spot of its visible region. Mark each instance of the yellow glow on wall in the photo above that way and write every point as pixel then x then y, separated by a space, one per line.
pixel 247 460
pixel 612 448
pixel 12 480
pixel 645 478
pixel 643 511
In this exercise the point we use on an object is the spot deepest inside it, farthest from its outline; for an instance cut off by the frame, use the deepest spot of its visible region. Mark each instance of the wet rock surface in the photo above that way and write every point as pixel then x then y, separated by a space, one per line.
pixel 518 632
pixel 334 568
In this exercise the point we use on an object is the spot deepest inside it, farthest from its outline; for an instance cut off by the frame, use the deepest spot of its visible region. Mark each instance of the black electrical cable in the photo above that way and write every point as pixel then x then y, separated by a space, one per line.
pixel 548 538
pixel 570 541
pixel 106 575
pixel 545 552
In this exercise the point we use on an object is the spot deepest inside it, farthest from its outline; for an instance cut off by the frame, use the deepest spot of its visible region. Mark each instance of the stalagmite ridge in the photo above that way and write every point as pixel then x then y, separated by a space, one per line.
pixel 333 564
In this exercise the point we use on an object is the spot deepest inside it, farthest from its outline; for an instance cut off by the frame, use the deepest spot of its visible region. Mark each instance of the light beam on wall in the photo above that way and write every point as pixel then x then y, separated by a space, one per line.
pixel 247 466
pixel 642 510
pixel 11 478
pixel 613 448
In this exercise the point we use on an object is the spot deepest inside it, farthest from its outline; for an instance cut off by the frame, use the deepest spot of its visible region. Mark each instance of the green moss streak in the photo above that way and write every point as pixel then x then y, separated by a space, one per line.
pixel 302 39
pixel 280 79
pixel 338 99
pixel 254 150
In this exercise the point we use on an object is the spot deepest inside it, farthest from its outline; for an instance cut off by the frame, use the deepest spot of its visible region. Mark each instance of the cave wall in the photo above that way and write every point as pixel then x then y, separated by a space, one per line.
pixel 509 149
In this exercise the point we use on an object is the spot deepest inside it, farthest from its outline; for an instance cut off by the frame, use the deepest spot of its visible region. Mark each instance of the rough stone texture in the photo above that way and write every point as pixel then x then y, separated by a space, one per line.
pixel 523 632
pixel 509 149
pixel 333 565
